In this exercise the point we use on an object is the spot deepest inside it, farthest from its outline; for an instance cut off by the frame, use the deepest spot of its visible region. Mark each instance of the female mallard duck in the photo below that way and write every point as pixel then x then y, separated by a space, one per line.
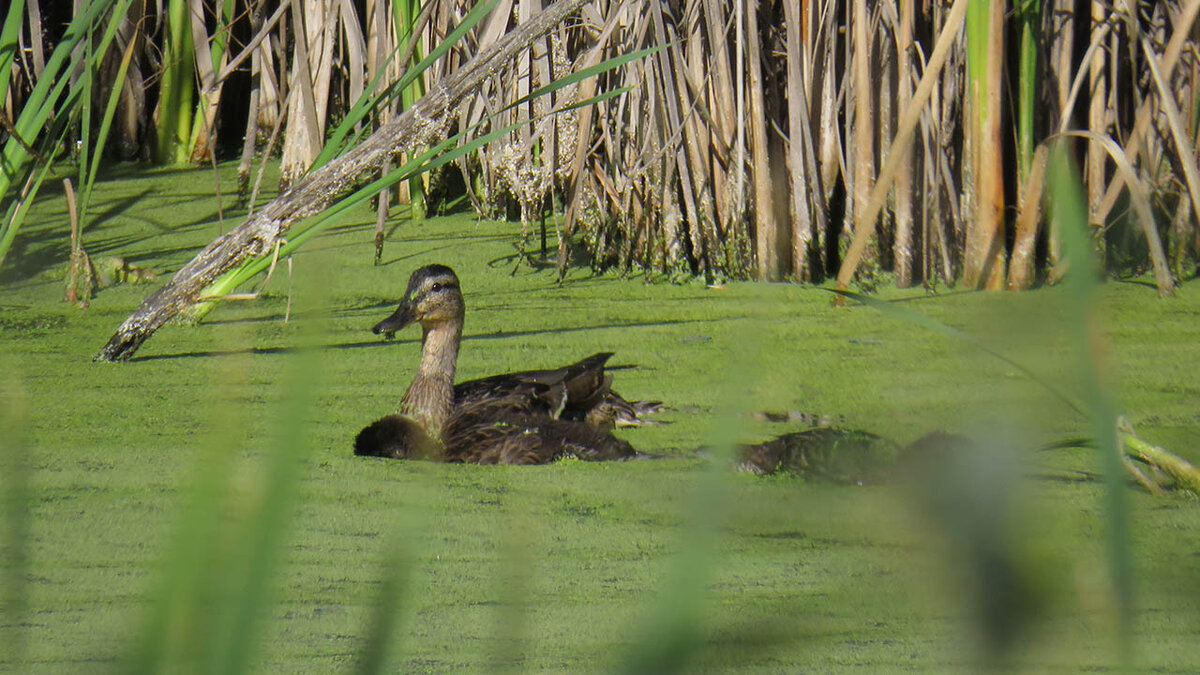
pixel 529 417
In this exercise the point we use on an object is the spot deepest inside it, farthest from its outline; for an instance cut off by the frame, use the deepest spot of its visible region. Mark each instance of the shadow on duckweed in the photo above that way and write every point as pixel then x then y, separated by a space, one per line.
pixel 367 344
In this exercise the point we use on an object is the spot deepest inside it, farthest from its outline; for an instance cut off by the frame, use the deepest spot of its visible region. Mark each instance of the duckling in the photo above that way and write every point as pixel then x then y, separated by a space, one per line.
pixel 823 453
pixel 528 417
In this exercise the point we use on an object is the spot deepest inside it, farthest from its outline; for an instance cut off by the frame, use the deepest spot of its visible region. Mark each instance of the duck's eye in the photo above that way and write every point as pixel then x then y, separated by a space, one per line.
pixel 436 287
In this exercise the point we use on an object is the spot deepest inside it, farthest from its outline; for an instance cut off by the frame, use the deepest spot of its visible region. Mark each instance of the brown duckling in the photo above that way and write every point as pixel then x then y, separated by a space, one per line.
pixel 823 453
pixel 528 417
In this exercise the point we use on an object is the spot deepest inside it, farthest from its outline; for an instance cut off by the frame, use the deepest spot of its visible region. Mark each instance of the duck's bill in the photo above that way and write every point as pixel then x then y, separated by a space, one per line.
pixel 403 316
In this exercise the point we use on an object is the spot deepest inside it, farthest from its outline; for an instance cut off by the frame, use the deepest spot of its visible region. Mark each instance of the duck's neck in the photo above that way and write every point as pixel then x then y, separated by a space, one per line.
pixel 430 397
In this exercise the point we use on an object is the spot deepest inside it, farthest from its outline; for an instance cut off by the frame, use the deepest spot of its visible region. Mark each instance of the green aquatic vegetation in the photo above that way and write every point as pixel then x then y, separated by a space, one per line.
pixel 575 565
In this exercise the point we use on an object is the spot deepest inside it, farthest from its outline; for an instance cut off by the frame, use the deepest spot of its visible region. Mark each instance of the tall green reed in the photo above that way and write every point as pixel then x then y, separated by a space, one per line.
pixel 176 89
pixel 52 107
pixel 1091 396
pixel 10 34
pixel 405 13
pixel 675 634
pixel 383 631
pixel 1069 210
pixel 1029 17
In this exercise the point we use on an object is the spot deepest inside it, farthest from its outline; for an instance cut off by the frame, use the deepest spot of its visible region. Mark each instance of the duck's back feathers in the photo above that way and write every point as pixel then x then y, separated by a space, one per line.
pixel 579 392
pixel 517 439
pixel 573 387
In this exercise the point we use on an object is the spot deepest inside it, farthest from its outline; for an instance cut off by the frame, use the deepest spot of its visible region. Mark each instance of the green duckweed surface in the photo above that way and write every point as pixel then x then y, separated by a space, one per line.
pixel 145 498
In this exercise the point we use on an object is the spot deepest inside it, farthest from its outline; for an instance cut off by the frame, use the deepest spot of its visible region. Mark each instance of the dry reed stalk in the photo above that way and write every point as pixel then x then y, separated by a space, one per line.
pixel 983 258
pixel 799 136
pixel 1183 146
pixel 1139 196
pixel 204 135
pixel 1020 269
pixel 131 109
pixel 828 133
pixel 863 147
pixel 250 139
pixel 767 232
pixel 577 182
pixel 1098 116
pixel 714 61
pixel 1059 28
pixel 902 246
pixel 354 47
pixel 1180 38
pixel 312 69
pixel 909 117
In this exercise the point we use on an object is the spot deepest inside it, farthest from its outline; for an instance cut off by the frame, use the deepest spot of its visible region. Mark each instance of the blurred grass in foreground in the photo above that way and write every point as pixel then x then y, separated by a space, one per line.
pixel 291 555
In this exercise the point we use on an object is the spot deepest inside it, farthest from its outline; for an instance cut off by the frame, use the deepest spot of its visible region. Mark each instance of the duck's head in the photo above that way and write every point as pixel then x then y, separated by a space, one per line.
pixel 433 298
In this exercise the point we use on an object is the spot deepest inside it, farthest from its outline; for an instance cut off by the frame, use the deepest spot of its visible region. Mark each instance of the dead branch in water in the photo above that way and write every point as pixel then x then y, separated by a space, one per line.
pixel 423 123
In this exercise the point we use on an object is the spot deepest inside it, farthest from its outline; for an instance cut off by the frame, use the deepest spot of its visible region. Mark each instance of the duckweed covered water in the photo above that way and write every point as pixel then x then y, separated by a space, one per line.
pixel 146 481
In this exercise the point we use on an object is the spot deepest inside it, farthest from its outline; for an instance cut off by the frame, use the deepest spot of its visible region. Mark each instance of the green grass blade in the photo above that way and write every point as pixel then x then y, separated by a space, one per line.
pixel 949 331
pixel 46 102
pixel 9 43
pixel 83 113
pixel 383 628
pixel 17 211
pixel 1069 209
pixel 252 592
pixel 674 637
pixel 110 109
pixel 174 123
pixel 16 493
pixel 51 137
pixel 176 627
pixel 55 78
pixel 1029 17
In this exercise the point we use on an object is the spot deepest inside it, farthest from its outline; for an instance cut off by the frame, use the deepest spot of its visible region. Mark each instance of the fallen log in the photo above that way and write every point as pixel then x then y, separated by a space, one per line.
pixel 421 125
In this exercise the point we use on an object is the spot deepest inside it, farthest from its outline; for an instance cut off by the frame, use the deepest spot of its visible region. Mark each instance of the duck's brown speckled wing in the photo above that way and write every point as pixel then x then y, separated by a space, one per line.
pixel 486 435
pixel 580 384
pixel 836 455
pixel 584 387
pixel 614 411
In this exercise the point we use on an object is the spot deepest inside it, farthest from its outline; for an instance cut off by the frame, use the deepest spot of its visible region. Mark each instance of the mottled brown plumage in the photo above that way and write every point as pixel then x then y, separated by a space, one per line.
pixel 823 453
pixel 528 417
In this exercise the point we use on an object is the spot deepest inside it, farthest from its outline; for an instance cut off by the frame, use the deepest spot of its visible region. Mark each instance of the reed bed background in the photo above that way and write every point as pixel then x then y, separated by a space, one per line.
pixel 779 141
pixel 771 140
